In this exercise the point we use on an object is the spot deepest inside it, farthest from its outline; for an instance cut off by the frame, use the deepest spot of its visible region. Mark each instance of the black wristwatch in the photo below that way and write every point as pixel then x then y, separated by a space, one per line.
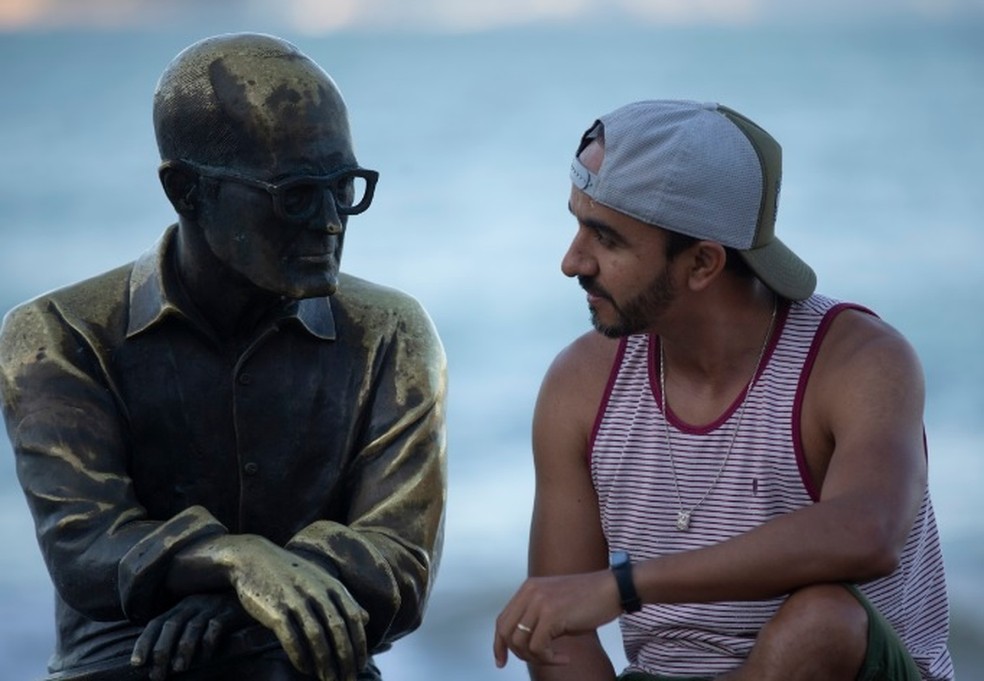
pixel 621 567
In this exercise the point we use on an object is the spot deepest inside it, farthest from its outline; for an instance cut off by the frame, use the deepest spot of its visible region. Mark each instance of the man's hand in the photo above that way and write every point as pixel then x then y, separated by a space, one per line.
pixel 171 640
pixel 546 608
pixel 318 623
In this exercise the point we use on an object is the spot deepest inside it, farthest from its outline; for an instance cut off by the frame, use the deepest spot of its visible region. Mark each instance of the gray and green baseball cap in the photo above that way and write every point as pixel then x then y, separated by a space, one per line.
pixel 700 169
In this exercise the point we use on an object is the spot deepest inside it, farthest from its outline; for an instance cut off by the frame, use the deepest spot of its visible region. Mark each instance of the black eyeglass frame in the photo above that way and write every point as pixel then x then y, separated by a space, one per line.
pixel 277 190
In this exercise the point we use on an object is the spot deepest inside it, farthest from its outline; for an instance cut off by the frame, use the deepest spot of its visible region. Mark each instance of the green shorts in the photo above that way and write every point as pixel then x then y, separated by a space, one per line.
pixel 885 660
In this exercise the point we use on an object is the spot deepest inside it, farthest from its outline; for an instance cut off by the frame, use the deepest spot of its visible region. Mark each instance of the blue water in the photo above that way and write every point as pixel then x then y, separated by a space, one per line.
pixel 473 134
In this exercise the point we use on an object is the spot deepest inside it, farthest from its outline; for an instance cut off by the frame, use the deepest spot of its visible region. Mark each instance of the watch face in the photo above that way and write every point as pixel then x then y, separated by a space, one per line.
pixel 618 558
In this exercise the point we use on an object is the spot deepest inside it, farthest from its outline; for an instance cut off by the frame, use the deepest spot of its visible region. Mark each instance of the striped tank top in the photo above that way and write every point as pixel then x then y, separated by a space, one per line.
pixel 764 477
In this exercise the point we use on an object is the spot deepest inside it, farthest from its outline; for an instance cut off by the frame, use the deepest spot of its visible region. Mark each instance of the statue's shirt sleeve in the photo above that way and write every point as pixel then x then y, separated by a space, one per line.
pixel 324 432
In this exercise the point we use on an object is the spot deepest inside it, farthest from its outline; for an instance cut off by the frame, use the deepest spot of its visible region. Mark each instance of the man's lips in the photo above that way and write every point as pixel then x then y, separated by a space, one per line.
pixel 594 298
pixel 595 294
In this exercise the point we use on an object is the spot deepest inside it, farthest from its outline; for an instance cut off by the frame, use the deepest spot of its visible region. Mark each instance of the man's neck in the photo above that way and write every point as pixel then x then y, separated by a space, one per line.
pixel 714 343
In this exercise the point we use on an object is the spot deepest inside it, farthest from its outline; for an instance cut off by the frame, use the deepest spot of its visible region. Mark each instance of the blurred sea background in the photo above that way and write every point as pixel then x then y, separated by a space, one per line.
pixel 472 119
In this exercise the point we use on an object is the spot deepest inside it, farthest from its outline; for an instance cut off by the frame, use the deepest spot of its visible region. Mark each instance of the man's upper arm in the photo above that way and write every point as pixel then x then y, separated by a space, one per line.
pixel 566 532
pixel 871 394
pixel 566 535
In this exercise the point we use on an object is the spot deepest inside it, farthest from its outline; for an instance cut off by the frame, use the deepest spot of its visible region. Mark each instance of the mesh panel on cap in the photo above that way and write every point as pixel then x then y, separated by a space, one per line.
pixel 681 166
pixel 702 170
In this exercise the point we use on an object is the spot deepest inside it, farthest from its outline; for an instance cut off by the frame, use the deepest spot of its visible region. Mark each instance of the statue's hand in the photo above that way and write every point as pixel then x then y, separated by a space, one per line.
pixel 318 623
pixel 171 640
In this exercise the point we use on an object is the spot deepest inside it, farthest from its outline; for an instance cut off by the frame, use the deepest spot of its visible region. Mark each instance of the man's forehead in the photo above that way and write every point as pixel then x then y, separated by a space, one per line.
pixel 592 155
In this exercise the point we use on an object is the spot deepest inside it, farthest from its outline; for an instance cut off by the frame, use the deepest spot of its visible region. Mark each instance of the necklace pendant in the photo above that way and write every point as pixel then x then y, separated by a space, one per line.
pixel 683 520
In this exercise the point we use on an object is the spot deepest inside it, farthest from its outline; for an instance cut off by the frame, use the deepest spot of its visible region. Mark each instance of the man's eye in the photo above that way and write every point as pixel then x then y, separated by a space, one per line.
pixel 604 238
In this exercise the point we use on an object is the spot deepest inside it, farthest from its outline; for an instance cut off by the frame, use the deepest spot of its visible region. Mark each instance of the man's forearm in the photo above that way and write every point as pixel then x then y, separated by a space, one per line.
pixel 588 661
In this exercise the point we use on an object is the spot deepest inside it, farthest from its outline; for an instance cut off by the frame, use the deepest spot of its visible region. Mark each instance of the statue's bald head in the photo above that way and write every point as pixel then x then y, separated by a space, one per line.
pixel 243 99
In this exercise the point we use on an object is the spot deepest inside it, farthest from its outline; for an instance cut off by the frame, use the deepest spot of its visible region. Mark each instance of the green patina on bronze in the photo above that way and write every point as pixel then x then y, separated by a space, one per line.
pixel 204 435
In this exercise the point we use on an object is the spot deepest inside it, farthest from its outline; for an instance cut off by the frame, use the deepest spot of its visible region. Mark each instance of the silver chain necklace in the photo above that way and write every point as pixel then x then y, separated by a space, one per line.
pixel 684 515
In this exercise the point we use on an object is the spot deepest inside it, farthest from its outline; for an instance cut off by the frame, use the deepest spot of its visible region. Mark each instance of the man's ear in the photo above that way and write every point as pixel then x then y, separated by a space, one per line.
pixel 181 187
pixel 707 261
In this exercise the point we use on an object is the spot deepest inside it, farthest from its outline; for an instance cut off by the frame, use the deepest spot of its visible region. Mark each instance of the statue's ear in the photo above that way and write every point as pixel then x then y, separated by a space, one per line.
pixel 181 186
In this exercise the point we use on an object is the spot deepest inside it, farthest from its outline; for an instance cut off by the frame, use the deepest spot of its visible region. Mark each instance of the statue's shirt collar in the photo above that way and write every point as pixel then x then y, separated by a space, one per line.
pixel 154 297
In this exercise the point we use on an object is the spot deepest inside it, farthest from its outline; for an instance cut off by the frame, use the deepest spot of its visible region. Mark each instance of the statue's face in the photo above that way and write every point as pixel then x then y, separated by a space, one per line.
pixel 282 244
pixel 294 125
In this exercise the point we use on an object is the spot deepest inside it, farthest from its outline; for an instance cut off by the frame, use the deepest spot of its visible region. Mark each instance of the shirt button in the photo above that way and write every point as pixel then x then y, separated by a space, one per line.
pixel 245 379
pixel 251 468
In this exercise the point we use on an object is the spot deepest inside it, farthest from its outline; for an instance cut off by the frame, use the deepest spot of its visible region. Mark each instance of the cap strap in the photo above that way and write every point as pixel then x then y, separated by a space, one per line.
pixel 581 177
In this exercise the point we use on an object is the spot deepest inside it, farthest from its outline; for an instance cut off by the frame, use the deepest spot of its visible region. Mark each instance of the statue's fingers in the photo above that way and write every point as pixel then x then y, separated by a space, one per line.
pixel 145 642
pixel 277 613
pixel 227 616
pixel 349 627
pixel 210 638
pixel 164 646
pixel 189 641
pixel 290 632
pixel 318 619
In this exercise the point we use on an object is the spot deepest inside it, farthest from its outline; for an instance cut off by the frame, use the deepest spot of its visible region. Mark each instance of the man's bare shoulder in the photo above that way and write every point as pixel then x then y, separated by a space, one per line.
pixel 867 386
pixel 578 375
pixel 861 342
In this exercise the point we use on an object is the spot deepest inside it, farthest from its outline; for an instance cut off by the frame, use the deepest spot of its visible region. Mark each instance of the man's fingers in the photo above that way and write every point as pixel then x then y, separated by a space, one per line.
pixel 503 643
pixel 528 635
pixel 539 644
pixel 512 633
pixel 504 624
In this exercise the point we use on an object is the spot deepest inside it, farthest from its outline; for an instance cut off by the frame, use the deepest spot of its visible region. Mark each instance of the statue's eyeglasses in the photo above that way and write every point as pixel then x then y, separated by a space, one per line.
pixel 300 198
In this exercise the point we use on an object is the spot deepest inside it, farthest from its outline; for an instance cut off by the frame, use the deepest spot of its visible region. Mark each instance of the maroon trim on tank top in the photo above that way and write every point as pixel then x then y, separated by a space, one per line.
pixel 828 318
pixel 653 360
pixel 603 405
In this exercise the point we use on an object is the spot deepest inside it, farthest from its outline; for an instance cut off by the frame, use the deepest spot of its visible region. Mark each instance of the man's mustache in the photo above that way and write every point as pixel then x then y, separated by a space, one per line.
pixel 590 286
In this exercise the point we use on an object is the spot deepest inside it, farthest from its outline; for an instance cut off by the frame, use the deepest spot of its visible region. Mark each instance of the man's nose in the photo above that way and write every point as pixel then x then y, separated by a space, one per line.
pixel 578 261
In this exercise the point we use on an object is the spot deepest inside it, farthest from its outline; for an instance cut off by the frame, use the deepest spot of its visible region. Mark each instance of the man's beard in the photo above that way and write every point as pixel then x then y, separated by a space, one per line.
pixel 639 313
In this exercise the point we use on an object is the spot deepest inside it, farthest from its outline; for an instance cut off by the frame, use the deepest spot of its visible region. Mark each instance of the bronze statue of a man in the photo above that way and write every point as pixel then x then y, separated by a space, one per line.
pixel 234 454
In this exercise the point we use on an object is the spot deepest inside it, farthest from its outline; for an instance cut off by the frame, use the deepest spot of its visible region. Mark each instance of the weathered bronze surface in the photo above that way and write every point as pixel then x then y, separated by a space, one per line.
pixel 234 454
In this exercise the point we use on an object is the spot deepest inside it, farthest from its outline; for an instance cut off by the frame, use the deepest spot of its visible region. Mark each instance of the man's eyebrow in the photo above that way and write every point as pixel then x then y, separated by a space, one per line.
pixel 599 226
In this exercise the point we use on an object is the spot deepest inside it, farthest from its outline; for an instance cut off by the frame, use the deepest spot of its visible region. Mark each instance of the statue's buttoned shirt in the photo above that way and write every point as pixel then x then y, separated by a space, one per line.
pixel 138 432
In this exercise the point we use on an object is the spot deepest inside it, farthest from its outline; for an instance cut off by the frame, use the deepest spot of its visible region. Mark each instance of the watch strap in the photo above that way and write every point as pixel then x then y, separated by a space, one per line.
pixel 621 567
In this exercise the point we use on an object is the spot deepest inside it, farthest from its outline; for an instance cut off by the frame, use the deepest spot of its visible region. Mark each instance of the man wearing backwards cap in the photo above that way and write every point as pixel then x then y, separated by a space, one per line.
pixel 735 466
